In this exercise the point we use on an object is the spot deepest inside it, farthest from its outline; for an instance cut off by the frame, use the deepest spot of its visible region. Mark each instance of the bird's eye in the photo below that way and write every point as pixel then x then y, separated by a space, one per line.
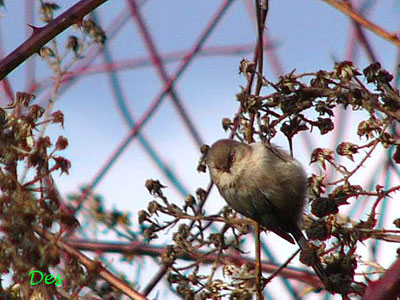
pixel 231 158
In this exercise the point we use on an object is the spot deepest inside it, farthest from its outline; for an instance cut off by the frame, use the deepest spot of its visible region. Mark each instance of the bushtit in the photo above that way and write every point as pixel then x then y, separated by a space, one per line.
pixel 264 183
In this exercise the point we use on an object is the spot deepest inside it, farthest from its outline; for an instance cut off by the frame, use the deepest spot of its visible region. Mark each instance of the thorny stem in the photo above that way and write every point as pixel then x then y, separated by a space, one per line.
pixel 41 36
pixel 359 165
pixel 230 221
pixel 261 7
pixel 203 257
pixel 378 200
pixel 258 262
pixel 333 248
pixel 39 178
pixel 396 115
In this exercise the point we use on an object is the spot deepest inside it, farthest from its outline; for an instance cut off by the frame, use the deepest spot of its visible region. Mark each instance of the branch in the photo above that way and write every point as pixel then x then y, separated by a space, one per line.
pixel 91 265
pixel 387 287
pixel 347 10
pixel 40 36
pixel 140 248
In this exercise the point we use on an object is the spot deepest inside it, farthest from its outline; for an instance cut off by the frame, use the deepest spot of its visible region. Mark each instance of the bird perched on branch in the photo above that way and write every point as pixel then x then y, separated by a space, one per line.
pixel 263 183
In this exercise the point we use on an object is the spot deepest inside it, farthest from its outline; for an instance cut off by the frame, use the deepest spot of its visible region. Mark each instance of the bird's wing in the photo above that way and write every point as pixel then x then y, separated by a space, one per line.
pixel 271 218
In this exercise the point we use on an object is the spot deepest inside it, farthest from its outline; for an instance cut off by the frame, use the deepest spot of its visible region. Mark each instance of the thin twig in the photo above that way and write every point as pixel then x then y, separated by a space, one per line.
pixel 281 267
pixel 258 262
pixel 346 9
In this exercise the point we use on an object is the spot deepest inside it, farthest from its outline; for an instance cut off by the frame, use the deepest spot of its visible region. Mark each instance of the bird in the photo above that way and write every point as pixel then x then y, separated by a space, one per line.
pixel 263 183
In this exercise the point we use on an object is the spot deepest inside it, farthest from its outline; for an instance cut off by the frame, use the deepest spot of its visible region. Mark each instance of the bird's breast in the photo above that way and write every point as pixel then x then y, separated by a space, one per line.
pixel 226 180
pixel 239 198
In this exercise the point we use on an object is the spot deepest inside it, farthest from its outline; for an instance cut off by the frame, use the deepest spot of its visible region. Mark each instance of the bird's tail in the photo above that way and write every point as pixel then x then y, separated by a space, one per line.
pixel 318 268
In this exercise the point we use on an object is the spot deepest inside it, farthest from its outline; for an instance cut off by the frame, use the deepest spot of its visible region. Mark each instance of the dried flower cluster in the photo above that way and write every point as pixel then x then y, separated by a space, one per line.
pixel 90 33
pixel 29 199
pixel 88 26
pixel 191 240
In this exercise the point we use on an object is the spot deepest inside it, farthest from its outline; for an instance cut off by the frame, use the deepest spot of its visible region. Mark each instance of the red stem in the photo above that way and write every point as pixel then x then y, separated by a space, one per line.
pixel 40 36
pixel 387 287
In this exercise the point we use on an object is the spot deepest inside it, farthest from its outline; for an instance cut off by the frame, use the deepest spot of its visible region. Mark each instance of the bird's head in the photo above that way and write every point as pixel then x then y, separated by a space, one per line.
pixel 226 160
